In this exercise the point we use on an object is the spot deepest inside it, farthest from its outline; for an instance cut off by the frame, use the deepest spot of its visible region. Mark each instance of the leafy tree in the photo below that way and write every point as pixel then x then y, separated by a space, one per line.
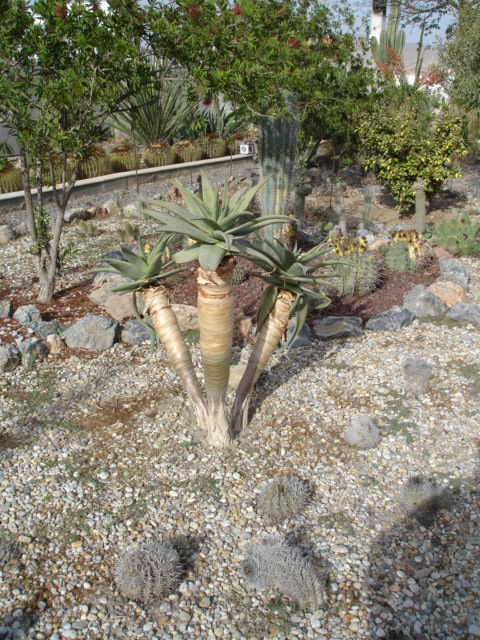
pixel 430 12
pixel 65 68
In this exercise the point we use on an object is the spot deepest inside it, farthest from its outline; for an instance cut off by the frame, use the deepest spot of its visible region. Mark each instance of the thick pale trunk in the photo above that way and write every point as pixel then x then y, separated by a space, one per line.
pixel 166 326
pixel 215 319
pixel 270 334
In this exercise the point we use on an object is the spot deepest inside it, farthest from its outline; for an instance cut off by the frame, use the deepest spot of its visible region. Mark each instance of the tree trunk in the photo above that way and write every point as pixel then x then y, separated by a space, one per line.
pixel 270 334
pixel 166 326
pixel 215 318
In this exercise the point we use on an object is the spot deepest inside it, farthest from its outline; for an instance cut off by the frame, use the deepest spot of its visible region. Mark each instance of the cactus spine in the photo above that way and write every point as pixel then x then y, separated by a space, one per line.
pixel 277 150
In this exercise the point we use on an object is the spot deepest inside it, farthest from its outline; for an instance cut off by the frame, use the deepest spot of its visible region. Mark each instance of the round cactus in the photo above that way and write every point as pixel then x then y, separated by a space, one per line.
pixel 357 274
pixel 10 179
pixel 187 150
pixel 148 572
pixel 124 158
pixel 282 498
pixel 233 142
pixel 407 252
pixel 213 145
pixel 422 499
pixel 159 154
pixel 97 164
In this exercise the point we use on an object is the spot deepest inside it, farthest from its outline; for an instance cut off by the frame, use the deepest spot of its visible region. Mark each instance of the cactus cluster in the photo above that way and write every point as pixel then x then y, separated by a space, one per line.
pixel 407 252
pixel 123 157
pixel 356 272
pixel 159 154
pixel 10 179
pixel 128 233
pixel 282 498
pixel 272 563
pixel 148 572
pixel 188 151
pixel 212 145
pixel 422 499
pixel 98 163
pixel 87 229
pixel 459 237
pixel 363 433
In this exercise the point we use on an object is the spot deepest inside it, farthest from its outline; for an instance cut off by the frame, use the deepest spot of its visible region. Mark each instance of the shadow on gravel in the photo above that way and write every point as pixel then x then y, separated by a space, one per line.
pixel 424 583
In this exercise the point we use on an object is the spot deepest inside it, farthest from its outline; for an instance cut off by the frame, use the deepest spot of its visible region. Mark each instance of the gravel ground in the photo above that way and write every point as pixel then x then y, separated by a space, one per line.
pixel 100 452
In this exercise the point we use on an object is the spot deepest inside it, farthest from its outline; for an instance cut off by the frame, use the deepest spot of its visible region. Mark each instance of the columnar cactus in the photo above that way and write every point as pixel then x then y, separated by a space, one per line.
pixel 392 39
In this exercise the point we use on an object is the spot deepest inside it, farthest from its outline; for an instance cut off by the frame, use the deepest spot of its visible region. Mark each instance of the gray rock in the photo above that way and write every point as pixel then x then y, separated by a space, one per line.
pixel 464 312
pixel 304 337
pixel 474 630
pixel 43 328
pixel 391 320
pixel 10 358
pixel 134 333
pixel 78 213
pixel 103 287
pixel 6 308
pixel 453 271
pixel 27 314
pixel 7 234
pixel 92 332
pixel 423 303
pixel 416 374
pixel 32 351
pixel 338 327
pixel 363 433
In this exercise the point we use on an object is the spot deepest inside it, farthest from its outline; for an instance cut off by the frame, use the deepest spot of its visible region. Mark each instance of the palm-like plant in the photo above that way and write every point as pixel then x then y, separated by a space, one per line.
pixel 150 273
pixel 294 280
pixel 218 227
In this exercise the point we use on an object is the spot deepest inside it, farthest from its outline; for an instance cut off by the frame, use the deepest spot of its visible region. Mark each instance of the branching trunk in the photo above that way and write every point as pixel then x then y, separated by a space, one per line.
pixel 215 318
pixel 270 334
pixel 166 326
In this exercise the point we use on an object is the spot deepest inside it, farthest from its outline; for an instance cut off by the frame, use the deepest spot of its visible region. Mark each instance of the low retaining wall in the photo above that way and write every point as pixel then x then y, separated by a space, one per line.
pixel 229 165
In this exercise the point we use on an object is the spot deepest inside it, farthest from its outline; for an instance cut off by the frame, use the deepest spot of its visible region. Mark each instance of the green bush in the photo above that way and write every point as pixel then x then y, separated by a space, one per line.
pixel 400 149
pixel 459 237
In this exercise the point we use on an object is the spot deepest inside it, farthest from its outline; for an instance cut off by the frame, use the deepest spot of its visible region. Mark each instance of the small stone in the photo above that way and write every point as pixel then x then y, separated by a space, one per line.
pixel 80 624
pixel 92 332
pixel 423 303
pixel 204 603
pixel 27 314
pixel 33 350
pixel 104 475
pixel 7 234
pixel 474 630
pixel 464 312
pixel 449 292
pixel 6 308
pixel 338 327
pixel 391 320
pixel 363 433
pixel 43 328
pixel 76 544
pixel 134 332
pixel 12 527
pixel 416 374
pixel 55 344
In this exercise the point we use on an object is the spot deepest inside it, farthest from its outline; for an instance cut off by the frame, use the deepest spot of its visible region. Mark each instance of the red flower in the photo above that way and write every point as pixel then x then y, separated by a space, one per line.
pixel 61 11
pixel 293 43
pixel 236 10
pixel 207 102
pixel 194 11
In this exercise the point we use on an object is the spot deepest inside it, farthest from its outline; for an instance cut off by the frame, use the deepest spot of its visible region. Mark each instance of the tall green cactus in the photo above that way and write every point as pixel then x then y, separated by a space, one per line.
pixel 390 38
pixel 277 150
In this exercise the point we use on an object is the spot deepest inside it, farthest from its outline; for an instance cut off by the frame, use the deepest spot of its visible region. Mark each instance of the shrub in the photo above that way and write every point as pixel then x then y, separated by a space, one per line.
pixel 459 237
pixel 363 433
pixel 274 564
pixel 148 572
pixel 282 498
pixel 400 149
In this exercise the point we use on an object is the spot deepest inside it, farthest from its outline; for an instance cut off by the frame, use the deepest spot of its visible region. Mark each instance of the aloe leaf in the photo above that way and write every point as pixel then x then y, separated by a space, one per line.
pixel 259 223
pixel 211 224
pixel 243 202
pixel 134 259
pixel 232 218
pixel 210 256
pixel 127 269
pixel 208 192
pixel 196 205
pixel 301 310
pixel 176 209
pixel 141 250
pixel 188 254
pixel 176 226
pixel 265 305
pixel 130 286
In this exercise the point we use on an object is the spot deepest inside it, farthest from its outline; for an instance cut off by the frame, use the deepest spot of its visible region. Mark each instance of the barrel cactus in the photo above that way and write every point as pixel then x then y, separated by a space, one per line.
pixel 96 164
pixel 282 498
pixel 357 272
pixel 10 179
pixel 188 150
pixel 213 145
pixel 407 252
pixel 159 154
pixel 124 158
pixel 233 142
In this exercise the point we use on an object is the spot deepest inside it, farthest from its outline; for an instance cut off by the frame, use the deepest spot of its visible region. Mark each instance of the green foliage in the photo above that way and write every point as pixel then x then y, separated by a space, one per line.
pixel 407 252
pixel 459 237
pixel 224 124
pixel 212 145
pixel 159 154
pixel 10 179
pixel 399 149
pixel 188 150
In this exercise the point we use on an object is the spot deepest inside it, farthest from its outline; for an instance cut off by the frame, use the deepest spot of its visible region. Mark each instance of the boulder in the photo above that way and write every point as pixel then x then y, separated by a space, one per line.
pixel 378 244
pixel 423 303
pixel 453 271
pixel 32 351
pixel 303 339
pixel 10 358
pixel 92 332
pixel 6 308
pixel 43 328
pixel 119 307
pixel 465 312
pixel 7 234
pixel 187 316
pixel 103 285
pixel 76 214
pixel 27 314
pixel 391 320
pixel 449 292
pixel 134 332
pixel 338 327
pixel 54 344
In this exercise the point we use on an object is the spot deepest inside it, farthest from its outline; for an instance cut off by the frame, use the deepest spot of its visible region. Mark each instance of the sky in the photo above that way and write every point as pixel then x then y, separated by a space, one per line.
pixel 363 8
